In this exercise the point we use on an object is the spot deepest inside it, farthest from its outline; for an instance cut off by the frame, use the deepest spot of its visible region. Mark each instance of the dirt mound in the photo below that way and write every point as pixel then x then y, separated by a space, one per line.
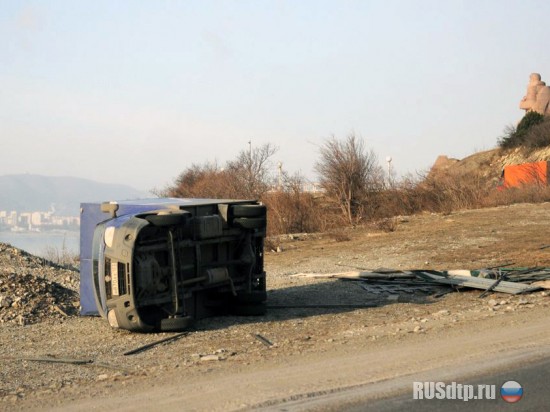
pixel 488 164
pixel 33 289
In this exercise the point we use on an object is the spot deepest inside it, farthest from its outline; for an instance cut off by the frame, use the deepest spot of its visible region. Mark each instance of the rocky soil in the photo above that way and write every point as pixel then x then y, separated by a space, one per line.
pixel 50 357
pixel 33 289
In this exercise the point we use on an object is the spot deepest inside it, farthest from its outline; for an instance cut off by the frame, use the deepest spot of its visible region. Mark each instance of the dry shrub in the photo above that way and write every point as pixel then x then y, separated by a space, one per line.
pixel 293 210
pixel 339 236
pixel 532 132
pixel 353 186
pixel 290 212
pixel 445 192
pixel 440 192
pixel 64 257
pixel 245 177
pixel 538 136
pixel 350 175
pixel 386 225
pixel 536 193
pixel 271 243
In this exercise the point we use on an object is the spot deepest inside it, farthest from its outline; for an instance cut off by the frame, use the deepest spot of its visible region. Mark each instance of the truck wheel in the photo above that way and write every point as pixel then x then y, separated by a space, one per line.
pixel 175 324
pixel 248 210
pixel 99 306
pixel 169 218
pixel 258 309
pixel 250 222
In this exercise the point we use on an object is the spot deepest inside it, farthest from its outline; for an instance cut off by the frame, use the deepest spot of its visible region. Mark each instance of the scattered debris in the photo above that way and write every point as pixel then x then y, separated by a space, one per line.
pixel 153 344
pixel 70 361
pixel 392 283
pixel 443 312
pixel 264 340
pixel 209 358
pixel 494 285
pixel 49 359
pixel 478 283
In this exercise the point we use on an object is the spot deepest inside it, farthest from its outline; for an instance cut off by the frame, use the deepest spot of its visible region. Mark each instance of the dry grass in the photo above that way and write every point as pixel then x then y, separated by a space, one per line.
pixel 61 257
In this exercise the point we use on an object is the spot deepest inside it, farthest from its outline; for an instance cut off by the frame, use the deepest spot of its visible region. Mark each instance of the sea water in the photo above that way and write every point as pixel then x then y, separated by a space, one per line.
pixel 43 243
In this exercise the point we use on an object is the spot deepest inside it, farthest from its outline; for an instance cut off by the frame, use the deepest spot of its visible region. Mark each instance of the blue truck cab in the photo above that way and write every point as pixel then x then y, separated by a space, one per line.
pixel 159 264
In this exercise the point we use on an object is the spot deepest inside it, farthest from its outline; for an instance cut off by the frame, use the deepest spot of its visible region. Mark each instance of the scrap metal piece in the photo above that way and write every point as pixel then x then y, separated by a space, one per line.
pixel 158 342
pixel 500 278
pixel 262 339
pixel 513 288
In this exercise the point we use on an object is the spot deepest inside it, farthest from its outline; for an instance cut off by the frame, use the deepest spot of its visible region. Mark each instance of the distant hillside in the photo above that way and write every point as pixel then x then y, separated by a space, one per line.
pixel 26 193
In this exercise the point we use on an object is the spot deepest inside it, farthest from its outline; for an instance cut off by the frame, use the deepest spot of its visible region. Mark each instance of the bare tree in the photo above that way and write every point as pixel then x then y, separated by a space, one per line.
pixel 250 171
pixel 197 180
pixel 245 177
pixel 349 174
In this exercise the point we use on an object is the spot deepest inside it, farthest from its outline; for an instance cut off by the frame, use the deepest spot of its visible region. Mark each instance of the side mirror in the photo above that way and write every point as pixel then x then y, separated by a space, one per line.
pixel 109 207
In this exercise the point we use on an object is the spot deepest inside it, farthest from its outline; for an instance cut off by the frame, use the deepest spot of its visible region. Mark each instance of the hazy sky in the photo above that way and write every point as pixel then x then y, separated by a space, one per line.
pixel 134 91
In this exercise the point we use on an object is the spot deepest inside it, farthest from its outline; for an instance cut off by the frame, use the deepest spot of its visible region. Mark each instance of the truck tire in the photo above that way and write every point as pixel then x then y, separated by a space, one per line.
pixel 175 324
pixel 249 210
pixel 250 222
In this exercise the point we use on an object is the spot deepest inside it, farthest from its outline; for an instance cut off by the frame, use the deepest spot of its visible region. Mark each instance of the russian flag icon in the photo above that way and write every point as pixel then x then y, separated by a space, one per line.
pixel 511 391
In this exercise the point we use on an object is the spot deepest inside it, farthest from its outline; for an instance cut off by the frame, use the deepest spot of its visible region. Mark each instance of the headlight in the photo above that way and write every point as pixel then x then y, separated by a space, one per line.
pixel 109 236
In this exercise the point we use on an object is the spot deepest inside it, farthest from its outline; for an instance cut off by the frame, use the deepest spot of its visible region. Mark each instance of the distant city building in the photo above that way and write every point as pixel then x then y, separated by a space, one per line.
pixel 36 221
pixel 312 187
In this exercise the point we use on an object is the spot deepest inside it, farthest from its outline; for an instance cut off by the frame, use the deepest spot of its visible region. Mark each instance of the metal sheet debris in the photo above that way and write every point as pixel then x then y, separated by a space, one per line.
pixel 498 279
pixel 392 289
pixel 479 283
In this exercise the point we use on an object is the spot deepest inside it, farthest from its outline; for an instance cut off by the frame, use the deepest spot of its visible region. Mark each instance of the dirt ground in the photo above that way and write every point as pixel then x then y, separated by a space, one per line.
pixel 223 365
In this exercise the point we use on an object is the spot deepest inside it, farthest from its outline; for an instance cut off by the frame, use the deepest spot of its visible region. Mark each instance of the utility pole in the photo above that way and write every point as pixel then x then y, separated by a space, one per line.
pixel 389 160
pixel 280 185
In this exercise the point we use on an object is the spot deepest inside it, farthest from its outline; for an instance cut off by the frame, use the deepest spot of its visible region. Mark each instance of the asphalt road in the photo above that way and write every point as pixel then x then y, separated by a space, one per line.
pixel 534 379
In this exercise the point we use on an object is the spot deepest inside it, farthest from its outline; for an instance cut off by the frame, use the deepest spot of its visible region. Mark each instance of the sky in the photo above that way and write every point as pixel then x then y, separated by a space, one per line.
pixel 133 92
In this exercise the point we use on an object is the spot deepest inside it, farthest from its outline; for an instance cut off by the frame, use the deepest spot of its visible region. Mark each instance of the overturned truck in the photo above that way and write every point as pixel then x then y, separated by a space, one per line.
pixel 159 264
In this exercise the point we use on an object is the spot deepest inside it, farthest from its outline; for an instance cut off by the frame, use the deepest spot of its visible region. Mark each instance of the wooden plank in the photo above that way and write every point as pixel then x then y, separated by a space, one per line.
pixel 356 275
pixel 544 284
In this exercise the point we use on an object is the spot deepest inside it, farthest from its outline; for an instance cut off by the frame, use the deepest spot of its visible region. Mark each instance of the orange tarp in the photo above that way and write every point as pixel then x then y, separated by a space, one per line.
pixel 526 174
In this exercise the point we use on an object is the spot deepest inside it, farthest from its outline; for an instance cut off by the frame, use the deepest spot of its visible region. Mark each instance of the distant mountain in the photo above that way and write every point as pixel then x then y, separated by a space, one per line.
pixel 27 193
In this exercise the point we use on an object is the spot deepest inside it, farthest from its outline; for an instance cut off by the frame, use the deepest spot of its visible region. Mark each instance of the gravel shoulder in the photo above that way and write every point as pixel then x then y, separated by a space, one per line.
pixel 222 365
